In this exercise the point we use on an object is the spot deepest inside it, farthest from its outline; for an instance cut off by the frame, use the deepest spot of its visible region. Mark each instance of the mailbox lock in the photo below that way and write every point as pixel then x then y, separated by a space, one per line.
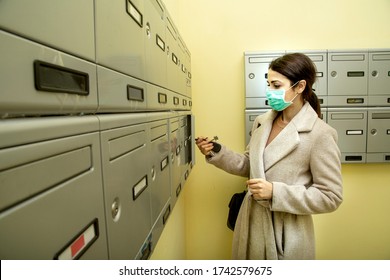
pixel 148 32
pixel 374 73
pixel 333 73
pixel 115 209
pixel 153 172
pixel 374 131
pixel 251 76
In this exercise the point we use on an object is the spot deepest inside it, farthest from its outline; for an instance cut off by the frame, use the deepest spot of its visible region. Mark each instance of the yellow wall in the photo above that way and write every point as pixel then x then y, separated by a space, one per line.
pixel 217 33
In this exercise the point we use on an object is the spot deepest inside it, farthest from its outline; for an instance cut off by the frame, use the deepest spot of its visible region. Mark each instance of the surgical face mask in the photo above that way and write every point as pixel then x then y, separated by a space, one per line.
pixel 276 98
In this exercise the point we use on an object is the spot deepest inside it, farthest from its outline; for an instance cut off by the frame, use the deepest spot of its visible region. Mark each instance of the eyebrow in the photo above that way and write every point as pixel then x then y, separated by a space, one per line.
pixel 273 81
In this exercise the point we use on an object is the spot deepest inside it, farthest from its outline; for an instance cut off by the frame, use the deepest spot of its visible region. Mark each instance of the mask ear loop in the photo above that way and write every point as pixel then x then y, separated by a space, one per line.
pixel 296 94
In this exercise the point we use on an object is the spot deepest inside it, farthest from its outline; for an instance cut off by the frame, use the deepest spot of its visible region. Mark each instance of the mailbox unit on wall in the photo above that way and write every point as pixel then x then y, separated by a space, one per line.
pixel 353 87
pixel 96 128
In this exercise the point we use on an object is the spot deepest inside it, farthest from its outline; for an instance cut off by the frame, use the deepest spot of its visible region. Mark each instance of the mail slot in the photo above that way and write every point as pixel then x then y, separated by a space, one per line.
pixel 43 81
pixel 155 43
pixel 378 135
pixel 68 25
pixel 379 78
pixel 347 78
pixel 126 179
pixel 351 126
pixel 51 202
pixel 120 36
pixel 256 70
pixel 120 93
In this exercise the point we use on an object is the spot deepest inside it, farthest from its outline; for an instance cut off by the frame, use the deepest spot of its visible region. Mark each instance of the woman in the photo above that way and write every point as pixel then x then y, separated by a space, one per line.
pixel 293 165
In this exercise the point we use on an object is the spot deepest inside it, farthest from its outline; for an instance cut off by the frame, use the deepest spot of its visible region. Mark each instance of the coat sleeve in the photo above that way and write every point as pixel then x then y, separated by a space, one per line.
pixel 231 162
pixel 325 192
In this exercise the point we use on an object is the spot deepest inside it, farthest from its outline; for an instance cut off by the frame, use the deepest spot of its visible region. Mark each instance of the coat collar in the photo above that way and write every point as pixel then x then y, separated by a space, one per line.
pixel 283 144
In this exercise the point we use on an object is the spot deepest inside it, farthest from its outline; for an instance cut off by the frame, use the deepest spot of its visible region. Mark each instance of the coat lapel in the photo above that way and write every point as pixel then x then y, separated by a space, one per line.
pixel 287 140
pixel 283 144
pixel 258 142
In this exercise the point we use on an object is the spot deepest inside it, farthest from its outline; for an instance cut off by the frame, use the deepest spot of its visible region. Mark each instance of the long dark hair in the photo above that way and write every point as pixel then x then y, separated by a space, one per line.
pixel 296 67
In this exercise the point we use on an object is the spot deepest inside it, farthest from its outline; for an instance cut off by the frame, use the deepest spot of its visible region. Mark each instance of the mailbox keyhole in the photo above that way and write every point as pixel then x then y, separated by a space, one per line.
pixel 115 209
pixel 148 30
pixel 374 131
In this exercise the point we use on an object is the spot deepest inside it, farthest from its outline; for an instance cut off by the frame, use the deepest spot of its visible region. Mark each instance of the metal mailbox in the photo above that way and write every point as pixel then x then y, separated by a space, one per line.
pixel 30 18
pixel 250 116
pixel 379 78
pixel 120 36
pixel 347 78
pixel 378 135
pixel 159 183
pixel 351 126
pixel 155 43
pixel 43 81
pixel 51 194
pixel 172 55
pixel 126 181
pixel 120 93
pixel 256 70
pixel 159 99
pixel 176 148
pixel 320 87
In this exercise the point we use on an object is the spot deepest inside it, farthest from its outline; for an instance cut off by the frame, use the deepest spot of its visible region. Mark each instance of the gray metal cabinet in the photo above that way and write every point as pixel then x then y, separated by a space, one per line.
pixel 121 93
pixel 68 25
pixel 158 139
pixel 379 78
pixel 120 35
pixel 51 204
pixel 172 54
pixel 175 152
pixel 378 135
pixel 320 87
pixel 155 43
pixel 256 70
pixel 250 116
pixel 38 80
pixel 351 125
pixel 347 78
pixel 126 183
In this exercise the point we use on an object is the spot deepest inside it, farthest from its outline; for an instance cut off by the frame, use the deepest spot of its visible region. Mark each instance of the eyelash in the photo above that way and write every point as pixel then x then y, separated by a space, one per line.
pixel 276 86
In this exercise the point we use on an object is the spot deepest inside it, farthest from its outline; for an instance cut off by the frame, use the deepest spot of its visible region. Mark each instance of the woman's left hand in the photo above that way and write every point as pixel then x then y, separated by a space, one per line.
pixel 260 188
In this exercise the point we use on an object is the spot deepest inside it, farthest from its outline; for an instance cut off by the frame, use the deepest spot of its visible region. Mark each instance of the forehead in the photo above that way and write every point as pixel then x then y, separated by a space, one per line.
pixel 274 76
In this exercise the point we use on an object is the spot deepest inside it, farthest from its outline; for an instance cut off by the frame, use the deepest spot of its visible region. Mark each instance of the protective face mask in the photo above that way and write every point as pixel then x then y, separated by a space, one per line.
pixel 276 98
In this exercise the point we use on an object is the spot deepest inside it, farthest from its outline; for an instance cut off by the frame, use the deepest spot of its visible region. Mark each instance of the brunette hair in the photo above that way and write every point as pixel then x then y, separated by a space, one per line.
pixel 296 67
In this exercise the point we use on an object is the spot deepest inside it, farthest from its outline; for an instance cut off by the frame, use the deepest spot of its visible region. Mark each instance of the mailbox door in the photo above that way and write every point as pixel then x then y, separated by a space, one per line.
pixel 43 81
pixel 351 126
pixel 378 136
pixel 30 18
pixel 126 183
pixel 379 78
pixel 119 92
pixel 120 35
pixel 51 195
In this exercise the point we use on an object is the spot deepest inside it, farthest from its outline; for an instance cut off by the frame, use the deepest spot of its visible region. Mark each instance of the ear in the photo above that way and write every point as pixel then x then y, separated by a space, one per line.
pixel 301 86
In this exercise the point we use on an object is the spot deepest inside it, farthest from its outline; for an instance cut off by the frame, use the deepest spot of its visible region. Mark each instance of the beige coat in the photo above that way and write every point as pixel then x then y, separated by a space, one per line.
pixel 303 163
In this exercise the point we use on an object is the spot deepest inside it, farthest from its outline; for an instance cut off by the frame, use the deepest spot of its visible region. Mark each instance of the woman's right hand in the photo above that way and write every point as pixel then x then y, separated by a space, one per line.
pixel 204 145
